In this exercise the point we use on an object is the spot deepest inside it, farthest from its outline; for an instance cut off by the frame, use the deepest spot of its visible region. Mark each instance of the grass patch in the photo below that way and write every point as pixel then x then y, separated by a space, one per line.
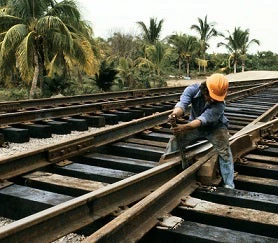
pixel 13 94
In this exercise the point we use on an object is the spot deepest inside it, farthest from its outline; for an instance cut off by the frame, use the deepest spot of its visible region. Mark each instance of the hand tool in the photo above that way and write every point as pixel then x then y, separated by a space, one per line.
pixel 184 162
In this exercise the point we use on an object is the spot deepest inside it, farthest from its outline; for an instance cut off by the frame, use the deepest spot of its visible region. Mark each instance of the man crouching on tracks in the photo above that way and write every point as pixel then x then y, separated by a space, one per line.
pixel 207 120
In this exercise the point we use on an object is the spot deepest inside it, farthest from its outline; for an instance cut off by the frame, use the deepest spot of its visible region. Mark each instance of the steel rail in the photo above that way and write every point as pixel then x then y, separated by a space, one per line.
pixel 48 102
pixel 19 164
pixel 262 119
pixel 250 91
pixel 21 105
pixel 133 223
pixel 82 210
pixel 77 213
pixel 11 166
pixel 36 103
pixel 17 117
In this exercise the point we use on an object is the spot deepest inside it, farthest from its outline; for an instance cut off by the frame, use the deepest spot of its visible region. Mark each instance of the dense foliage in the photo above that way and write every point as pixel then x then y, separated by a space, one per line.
pixel 47 49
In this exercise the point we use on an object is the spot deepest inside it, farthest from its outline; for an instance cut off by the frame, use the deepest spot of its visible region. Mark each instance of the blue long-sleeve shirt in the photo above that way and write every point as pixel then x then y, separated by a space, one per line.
pixel 211 115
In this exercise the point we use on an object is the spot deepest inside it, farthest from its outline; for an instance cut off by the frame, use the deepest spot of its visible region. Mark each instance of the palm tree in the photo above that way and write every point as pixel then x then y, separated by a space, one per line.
pixel 185 46
pixel 177 41
pixel 206 31
pixel 126 72
pixel 151 34
pixel 39 37
pixel 244 45
pixel 155 58
pixel 237 44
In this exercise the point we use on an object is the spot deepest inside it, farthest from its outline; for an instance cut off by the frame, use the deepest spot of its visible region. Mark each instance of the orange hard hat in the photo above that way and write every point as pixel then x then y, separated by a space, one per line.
pixel 217 85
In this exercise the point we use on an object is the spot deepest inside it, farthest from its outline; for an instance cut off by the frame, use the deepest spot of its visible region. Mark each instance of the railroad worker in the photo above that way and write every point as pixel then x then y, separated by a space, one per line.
pixel 207 120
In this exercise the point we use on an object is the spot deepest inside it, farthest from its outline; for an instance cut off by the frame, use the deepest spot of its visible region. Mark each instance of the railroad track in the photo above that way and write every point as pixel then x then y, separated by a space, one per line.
pixel 41 118
pixel 119 163
pixel 35 104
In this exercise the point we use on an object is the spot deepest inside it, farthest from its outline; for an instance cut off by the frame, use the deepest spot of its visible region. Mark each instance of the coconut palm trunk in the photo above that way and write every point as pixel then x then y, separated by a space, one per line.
pixel 204 64
pixel 41 76
pixel 187 66
pixel 235 64
pixel 180 63
pixel 243 66
pixel 80 79
pixel 237 44
pixel 206 31
pixel 35 77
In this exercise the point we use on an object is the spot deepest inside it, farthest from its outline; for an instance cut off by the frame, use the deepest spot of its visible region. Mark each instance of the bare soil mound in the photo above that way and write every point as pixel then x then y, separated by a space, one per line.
pixel 249 75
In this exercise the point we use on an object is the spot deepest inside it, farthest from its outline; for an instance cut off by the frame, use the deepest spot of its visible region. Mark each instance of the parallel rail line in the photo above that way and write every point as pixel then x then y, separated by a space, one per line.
pixel 22 105
pixel 42 114
pixel 161 188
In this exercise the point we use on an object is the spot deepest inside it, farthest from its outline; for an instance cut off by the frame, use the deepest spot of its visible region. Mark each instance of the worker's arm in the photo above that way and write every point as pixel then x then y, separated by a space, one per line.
pixel 178 112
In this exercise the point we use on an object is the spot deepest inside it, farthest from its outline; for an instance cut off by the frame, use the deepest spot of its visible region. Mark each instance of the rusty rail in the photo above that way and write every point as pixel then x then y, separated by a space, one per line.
pixel 57 112
pixel 132 224
pixel 88 208
pixel 82 99
pixel 17 117
pixel 15 165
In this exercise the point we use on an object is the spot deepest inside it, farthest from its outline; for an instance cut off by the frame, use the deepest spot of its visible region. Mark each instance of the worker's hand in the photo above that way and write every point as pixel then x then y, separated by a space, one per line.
pixel 172 119
pixel 179 129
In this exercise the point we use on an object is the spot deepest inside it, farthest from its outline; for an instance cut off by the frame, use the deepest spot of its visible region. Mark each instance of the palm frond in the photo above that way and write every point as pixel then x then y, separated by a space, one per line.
pixel 28 9
pixel 65 10
pixel 4 3
pixel 52 67
pixel 7 21
pixel 152 33
pixel 85 57
pixel 7 67
pixel 144 62
pixel 12 39
pixel 25 57
pixel 53 24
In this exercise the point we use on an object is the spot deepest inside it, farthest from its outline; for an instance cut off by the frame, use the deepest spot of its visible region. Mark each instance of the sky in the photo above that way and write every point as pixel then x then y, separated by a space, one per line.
pixel 259 16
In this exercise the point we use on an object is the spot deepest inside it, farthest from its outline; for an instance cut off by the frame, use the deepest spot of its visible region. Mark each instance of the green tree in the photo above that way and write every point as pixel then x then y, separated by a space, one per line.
pixel 40 37
pixel 265 60
pixel 218 62
pixel 106 75
pixel 151 34
pixel 231 44
pixel 206 31
pixel 177 41
pixel 122 45
pixel 155 59
pixel 126 69
pixel 185 46
pixel 244 45
pixel 237 44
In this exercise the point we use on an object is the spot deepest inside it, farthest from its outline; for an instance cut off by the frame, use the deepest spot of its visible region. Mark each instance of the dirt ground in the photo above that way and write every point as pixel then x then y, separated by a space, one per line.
pixel 249 75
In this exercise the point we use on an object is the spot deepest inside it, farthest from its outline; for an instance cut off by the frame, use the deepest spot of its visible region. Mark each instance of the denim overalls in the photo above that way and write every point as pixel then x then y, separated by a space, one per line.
pixel 213 128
